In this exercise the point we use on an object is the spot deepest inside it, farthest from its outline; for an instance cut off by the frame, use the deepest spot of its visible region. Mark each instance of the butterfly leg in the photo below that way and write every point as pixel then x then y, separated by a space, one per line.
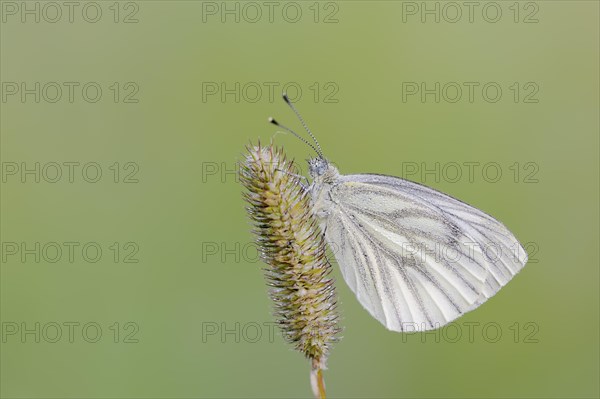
pixel 304 183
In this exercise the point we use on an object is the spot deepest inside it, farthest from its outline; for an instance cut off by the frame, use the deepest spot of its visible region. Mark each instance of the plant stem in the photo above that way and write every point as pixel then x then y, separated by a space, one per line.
pixel 316 379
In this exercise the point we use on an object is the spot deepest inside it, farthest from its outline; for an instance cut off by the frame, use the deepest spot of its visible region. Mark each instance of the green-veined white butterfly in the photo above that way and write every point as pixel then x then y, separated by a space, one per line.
pixel 415 258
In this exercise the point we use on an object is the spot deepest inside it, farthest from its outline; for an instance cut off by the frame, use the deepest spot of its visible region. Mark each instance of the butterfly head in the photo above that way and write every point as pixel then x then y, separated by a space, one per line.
pixel 320 168
pixel 317 166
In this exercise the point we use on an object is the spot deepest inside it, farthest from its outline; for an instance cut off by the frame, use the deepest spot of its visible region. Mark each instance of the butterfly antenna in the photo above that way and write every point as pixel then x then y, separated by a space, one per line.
pixel 273 121
pixel 287 100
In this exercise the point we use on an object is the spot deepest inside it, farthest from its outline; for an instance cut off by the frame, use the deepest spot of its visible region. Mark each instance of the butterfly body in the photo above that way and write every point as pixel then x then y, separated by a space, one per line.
pixel 415 258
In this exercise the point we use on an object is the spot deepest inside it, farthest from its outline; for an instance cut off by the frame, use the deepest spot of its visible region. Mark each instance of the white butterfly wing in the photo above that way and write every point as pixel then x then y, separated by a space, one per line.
pixel 416 258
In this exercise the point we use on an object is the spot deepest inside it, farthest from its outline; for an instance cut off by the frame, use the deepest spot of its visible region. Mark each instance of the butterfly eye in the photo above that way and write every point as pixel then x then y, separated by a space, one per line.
pixel 317 167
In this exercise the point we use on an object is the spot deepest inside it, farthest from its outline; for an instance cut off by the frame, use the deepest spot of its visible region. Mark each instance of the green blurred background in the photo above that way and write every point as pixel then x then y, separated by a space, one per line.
pixel 180 299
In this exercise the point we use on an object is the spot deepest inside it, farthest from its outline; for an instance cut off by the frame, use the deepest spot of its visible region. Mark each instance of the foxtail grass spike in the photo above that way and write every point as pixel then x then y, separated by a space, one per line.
pixel 293 247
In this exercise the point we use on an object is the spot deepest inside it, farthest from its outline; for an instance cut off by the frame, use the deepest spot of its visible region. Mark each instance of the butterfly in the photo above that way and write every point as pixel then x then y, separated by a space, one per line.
pixel 415 258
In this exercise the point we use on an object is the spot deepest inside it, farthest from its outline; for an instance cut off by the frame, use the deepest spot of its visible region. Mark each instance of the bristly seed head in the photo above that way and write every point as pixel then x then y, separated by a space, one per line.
pixel 291 244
